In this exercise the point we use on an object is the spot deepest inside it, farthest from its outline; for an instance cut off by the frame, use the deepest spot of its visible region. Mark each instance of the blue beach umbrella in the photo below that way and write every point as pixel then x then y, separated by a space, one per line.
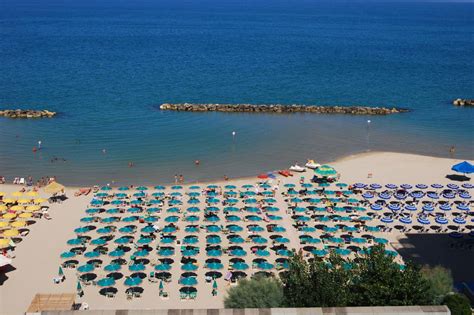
pixel 75 241
pixel 423 221
pixel 265 266
pixel 189 252
pixel 98 241
pixel 234 228
pixel 123 188
pixel 240 266
pixel 168 229
pixel 441 220
pixel 191 229
pixel 215 266
pixel 380 240
pixel 165 252
pixel 112 210
pixel 136 267
pixel 463 167
pixel 122 240
pixel 406 220
pixel 320 252
pixel 459 220
pixel 387 220
pixel 189 267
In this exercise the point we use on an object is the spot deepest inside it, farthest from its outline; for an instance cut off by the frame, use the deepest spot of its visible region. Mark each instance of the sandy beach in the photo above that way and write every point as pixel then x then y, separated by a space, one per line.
pixel 38 255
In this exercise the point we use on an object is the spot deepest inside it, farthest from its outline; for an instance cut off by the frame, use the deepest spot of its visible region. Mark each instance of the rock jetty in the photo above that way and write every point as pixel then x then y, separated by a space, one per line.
pixel 278 108
pixel 26 113
pixel 463 102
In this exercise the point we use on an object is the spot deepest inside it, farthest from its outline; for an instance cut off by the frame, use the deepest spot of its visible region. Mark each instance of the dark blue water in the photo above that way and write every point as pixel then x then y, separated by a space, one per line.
pixel 104 65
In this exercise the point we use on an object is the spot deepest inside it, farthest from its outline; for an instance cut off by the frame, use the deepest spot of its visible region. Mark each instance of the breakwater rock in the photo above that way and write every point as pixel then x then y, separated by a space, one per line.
pixel 278 108
pixel 26 113
pixel 463 102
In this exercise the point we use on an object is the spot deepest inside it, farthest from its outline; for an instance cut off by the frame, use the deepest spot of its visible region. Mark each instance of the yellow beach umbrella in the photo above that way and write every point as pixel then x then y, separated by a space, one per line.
pixel 9 200
pixel 17 208
pixel 9 216
pixel 2 193
pixel 11 233
pixel 23 201
pixel 53 188
pixel 25 215
pixel 3 208
pixel 3 224
pixel 17 224
pixel 32 194
pixel 32 208
pixel 17 194
pixel 4 243
pixel 39 200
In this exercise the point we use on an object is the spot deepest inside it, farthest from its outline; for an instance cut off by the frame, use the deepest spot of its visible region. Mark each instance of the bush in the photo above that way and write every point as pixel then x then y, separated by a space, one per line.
pixel 260 292
pixel 458 304
pixel 440 280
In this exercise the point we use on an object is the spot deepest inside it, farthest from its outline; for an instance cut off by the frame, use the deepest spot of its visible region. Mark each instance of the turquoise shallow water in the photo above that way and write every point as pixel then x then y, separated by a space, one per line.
pixel 105 65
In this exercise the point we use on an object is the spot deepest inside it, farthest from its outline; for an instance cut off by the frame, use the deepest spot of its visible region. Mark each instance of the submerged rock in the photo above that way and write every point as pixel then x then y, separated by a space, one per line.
pixel 26 113
pixel 278 108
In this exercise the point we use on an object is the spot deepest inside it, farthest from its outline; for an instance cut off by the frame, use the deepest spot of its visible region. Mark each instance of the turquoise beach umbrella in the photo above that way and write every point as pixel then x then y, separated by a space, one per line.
pixel 240 266
pixel 213 228
pixel 92 254
pixel 85 268
pixel 106 282
pixel 67 255
pixel 75 241
pixel 189 281
pixel 214 253
pixel 163 267
pixel 60 272
pixel 265 266
pixel 136 267
pixel 98 241
pixel 122 240
pixel 112 267
pixel 238 252
pixel 117 253
pixel 189 267
pixel 131 282
pixel 87 219
pixel 262 253
pixel 215 266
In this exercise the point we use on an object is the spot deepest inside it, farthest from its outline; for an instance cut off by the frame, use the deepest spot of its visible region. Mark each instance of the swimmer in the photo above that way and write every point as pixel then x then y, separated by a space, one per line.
pixel 197 162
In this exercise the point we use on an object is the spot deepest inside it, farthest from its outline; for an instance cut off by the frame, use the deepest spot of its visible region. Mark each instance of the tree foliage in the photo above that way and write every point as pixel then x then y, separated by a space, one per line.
pixel 440 279
pixel 458 304
pixel 260 292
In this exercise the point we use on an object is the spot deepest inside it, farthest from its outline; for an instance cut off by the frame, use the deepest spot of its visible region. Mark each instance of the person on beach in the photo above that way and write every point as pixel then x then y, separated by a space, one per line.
pixel 181 179
pixel 39 145
pixel 175 178
pixel 226 178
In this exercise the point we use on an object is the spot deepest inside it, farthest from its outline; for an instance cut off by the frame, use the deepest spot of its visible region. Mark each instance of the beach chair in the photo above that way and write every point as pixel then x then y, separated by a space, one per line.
pixel 22 181
pixel 193 295
pixel 182 296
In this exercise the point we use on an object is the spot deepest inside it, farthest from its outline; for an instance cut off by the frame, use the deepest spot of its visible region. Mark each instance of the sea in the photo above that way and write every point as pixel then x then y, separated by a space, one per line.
pixel 106 66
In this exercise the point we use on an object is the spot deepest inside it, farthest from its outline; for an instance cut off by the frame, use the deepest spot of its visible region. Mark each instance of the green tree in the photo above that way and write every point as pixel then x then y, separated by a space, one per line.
pixel 458 304
pixel 260 292
pixel 441 281
pixel 378 280
pixel 316 284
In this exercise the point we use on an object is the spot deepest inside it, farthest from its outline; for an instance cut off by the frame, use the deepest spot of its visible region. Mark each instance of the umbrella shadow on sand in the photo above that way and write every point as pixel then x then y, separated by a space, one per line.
pixel 3 273
pixel 458 178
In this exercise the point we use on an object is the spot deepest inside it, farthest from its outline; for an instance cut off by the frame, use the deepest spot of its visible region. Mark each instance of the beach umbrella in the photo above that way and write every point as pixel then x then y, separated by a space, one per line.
pixel 92 254
pixel 81 230
pixel 406 220
pixel 112 267
pixel 296 200
pixel 255 228
pixel 167 240
pixel 270 200
pixel 163 267
pixel 141 253
pixel 68 255
pixel 410 207
pixel 387 220
pixel 188 281
pixel 98 241
pixel 445 207
pixel 236 239
pixel 214 253
pixel 372 228
pixel 441 220
pixel 106 282
pixel 358 240
pixel 215 266
pixel 467 185
pixel 423 220
pixel 117 253
pixel 325 170
pixel 282 240
pixel 79 288
pixel 85 268
pixel 168 229
pixel 463 207
pixel 320 252
pixel 136 267
pixel 394 206
pixel 265 266
pixel 131 282
pixel 342 251
pixel 463 167
pixel 367 195
pixel 238 252
pixel 360 185
pixel 11 233
pixel 259 240
pixel 437 186
pixel 459 220
pixel 375 186
pixel 189 252
pixel 330 229
pixel 289 185
pixel 240 266
pixel 380 240
pixel 262 253
pixel 189 267
pixel 406 186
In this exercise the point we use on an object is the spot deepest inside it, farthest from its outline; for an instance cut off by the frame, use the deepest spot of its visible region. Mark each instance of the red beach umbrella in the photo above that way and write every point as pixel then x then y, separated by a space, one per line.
pixel 262 176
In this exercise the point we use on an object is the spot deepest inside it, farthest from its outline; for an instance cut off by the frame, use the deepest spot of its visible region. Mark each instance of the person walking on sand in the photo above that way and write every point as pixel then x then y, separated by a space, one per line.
pixel 175 178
